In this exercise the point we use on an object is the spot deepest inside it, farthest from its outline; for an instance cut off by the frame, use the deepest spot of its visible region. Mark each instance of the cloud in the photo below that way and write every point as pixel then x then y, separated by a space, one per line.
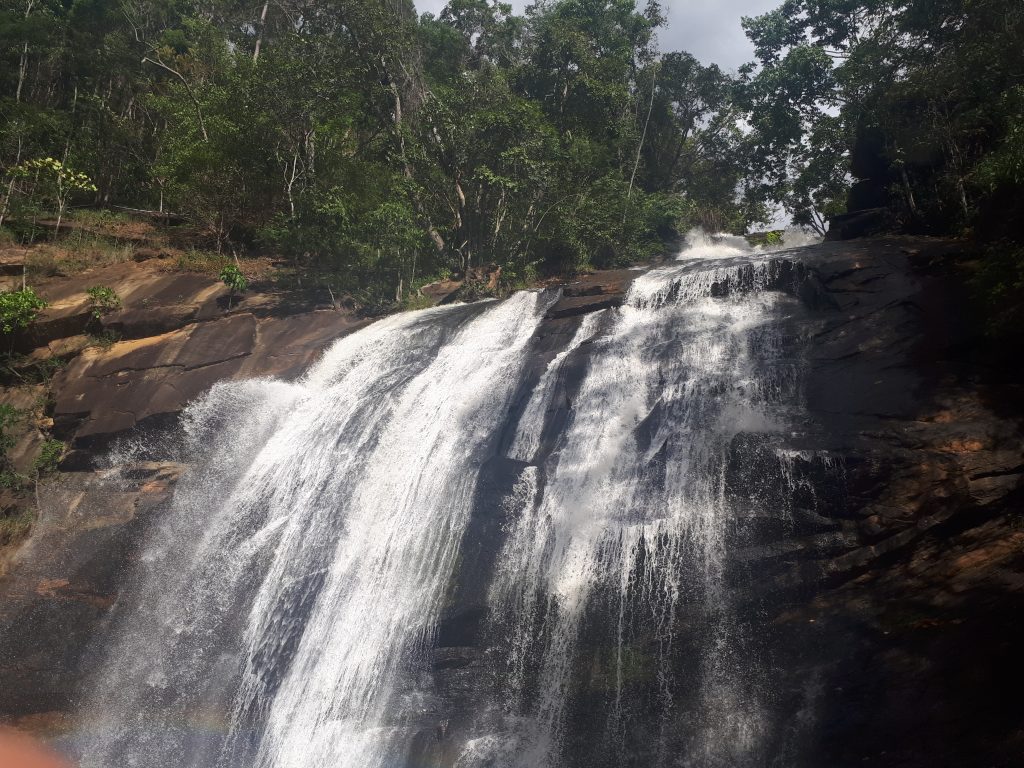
pixel 709 29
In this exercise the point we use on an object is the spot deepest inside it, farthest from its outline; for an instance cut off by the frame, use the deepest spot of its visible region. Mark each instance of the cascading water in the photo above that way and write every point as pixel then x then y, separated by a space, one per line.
pixel 287 604
pixel 633 514
pixel 305 559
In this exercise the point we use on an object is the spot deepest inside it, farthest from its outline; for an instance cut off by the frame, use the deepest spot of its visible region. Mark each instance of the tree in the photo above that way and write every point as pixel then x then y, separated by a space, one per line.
pixel 49 179
pixel 908 97
pixel 233 278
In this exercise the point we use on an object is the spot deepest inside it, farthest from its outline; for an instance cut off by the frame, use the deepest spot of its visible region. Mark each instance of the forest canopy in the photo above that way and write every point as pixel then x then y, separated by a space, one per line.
pixel 374 147
pixel 363 141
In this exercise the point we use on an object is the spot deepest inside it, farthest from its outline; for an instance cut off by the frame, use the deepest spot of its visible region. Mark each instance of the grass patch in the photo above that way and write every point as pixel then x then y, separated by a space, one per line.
pixel 19 369
pixel 104 339
pixel 9 417
pixel 75 254
pixel 196 260
pixel 416 301
pixel 99 218
pixel 15 525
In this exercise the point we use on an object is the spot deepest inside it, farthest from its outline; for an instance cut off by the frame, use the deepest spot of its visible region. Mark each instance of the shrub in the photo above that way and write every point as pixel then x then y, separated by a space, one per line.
pixel 19 309
pixel 104 300
pixel 999 289
pixel 233 278
pixel 195 260
pixel 15 526
pixel 11 480
pixel 9 416
pixel 53 180
pixel 49 457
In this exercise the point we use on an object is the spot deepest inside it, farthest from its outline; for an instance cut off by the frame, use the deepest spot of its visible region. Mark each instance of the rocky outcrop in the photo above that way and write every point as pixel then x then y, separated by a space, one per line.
pixel 593 292
pixel 62 582
pixel 895 590
pixel 860 223
pixel 106 391
pixel 915 615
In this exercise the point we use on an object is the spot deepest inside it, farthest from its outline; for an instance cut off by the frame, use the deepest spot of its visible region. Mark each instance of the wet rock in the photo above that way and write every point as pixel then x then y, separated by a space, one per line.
pixel 862 223
pixel 65 578
pixel 593 292
pixel 104 392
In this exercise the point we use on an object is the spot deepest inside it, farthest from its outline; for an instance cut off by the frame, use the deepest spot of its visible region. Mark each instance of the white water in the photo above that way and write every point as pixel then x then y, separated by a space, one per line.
pixel 286 606
pixel 634 502
pixel 331 512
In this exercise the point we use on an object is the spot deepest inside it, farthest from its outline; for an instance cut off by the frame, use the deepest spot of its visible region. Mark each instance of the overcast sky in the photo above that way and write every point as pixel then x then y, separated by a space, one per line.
pixel 709 29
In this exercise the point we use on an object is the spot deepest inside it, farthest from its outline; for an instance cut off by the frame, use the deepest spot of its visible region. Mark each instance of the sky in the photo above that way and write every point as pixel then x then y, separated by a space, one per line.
pixel 709 29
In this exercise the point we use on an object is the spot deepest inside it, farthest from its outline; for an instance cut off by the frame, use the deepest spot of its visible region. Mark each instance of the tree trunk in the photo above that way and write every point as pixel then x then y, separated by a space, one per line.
pixel 22 70
pixel 10 186
pixel 639 147
pixel 23 63
pixel 188 89
pixel 259 35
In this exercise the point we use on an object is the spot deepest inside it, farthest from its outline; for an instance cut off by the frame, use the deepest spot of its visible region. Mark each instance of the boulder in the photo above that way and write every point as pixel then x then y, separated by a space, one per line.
pixel 593 292
pixel 862 223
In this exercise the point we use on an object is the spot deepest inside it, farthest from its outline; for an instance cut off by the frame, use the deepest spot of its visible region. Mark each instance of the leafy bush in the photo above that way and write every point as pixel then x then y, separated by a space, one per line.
pixel 49 457
pixel 9 479
pixel 999 289
pixel 54 181
pixel 105 339
pixel 233 278
pixel 19 309
pixel 104 300
pixel 196 260
pixel 9 416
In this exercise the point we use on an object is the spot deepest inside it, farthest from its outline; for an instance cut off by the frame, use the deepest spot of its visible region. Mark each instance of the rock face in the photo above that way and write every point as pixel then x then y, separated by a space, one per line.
pixel 105 392
pixel 63 581
pixel 917 611
pixel 897 591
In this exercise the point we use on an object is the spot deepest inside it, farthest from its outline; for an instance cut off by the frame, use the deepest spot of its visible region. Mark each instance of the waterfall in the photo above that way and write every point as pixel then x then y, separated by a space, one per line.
pixel 286 608
pixel 301 569
pixel 630 520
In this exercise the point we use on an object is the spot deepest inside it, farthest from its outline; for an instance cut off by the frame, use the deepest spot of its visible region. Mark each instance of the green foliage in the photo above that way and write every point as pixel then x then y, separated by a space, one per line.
pixel 9 417
pixel 921 102
pixel 104 339
pixel 103 299
pixel 49 457
pixel 10 480
pixel 14 525
pixel 371 148
pixel 999 288
pixel 19 309
pixel 205 262
pixel 45 180
pixel 233 278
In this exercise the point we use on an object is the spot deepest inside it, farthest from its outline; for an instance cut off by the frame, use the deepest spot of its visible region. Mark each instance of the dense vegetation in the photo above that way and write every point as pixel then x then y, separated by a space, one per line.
pixel 374 148
pixel 921 103
pixel 371 147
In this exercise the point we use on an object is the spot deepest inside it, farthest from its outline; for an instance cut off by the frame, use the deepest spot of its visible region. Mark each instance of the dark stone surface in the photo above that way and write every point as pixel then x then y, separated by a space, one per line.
pixel 860 223
pixel 105 392
pixel 891 601
pixel 593 292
